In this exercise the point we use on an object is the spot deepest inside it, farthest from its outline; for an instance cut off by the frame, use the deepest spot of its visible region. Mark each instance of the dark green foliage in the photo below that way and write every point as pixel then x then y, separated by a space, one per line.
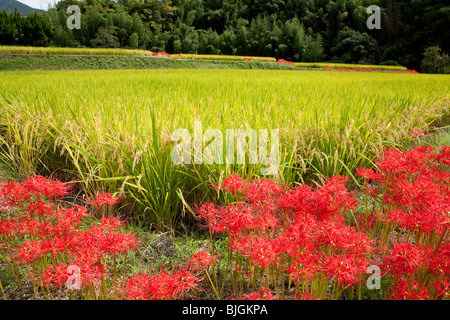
pixel 296 30
pixel 434 61
pixel 355 47
pixel 32 30
pixel 106 38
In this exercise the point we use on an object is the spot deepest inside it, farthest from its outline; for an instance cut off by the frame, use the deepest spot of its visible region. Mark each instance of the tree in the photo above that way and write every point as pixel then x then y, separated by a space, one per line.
pixel 355 47
pixel 134 40
pixel 434 61
pixel 106 38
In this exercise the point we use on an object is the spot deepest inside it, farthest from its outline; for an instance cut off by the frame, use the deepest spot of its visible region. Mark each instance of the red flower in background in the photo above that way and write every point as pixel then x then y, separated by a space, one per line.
pixel 418 133
pixel 200 260
pixel 262 294
pixel 103 199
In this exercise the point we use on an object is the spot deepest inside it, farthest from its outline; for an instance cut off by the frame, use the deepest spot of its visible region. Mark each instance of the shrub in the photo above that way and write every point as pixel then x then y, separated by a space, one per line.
pixel 434 61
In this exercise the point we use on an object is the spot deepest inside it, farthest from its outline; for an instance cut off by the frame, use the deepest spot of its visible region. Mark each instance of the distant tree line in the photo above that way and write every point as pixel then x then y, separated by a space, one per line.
pixel 296 30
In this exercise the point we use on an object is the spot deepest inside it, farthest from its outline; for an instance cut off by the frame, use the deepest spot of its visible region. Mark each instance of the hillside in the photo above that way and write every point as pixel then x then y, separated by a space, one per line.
pixel 10 5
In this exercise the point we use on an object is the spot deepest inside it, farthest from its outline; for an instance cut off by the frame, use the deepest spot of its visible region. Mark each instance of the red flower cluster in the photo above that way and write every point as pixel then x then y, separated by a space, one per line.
pixel 162 286
pixel 314 239
pixel 48 238
pixel 161 54
pixel 286 61
pixel 413 192
pixel 304 233
pixel 262 294
pixel 300 233
pixel 200 260
pixel 418 133
pixel 414 187
pixel 103 199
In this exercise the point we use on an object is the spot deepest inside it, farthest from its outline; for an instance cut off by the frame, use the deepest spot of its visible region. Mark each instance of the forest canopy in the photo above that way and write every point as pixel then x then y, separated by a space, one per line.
pixel 295 30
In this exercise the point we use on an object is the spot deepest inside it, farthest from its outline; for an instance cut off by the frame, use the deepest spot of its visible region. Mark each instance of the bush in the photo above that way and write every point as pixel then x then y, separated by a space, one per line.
pixel 434 61
pixel 390 63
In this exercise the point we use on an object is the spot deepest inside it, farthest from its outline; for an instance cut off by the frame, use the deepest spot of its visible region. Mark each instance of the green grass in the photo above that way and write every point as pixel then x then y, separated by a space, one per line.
pixel 110 129
pixel 22 50
pixel 30 62
pixel 346 66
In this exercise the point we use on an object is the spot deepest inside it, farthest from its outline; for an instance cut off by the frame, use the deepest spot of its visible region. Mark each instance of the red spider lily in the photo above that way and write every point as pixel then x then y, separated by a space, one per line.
pixel 40 208
pixel 47 234
pixel 40 186
pixel 228 218
pixel 8 227
pixel 262 294
pixel 200 260
pixel 56 274
pixel 414 185
pixel 335 234
pixel 444 156
pixel 118 243
pixel 409 289
pixel 405 259
pixel 262 251
pixel 286 61
pixel 262 191
pixel 15 194
pixel 234 184
pixel 29 251
pixel 185 282
pixel 103 199
pixel 346 269
pixel 304 296
pixel 438 261
pixel 163 286
pixel 324 203
pixel 237 218
pixel 418 133
pixel 111 223
pixel 136 287
pixel 304 266
pixel 266 221
pixel 161 54
pixel 28 226
pixel 369 174
pixel 442 287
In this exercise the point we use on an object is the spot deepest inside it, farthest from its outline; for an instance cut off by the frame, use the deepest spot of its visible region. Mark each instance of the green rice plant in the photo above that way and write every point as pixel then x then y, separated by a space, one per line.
pixel 23 50
pixel 73 51
pixel 110 130
pixel 346 66
pixel 222 57
pixel 23 142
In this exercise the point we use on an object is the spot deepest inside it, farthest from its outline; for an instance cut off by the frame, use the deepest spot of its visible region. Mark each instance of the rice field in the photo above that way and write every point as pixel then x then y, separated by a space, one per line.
pixel 22 50
pixel 52 51
pixel 110 130
pixel 347 66
pixel 72 51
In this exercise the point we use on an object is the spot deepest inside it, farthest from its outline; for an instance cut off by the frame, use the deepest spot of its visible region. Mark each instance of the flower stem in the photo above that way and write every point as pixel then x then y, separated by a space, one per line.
pixel 3 291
